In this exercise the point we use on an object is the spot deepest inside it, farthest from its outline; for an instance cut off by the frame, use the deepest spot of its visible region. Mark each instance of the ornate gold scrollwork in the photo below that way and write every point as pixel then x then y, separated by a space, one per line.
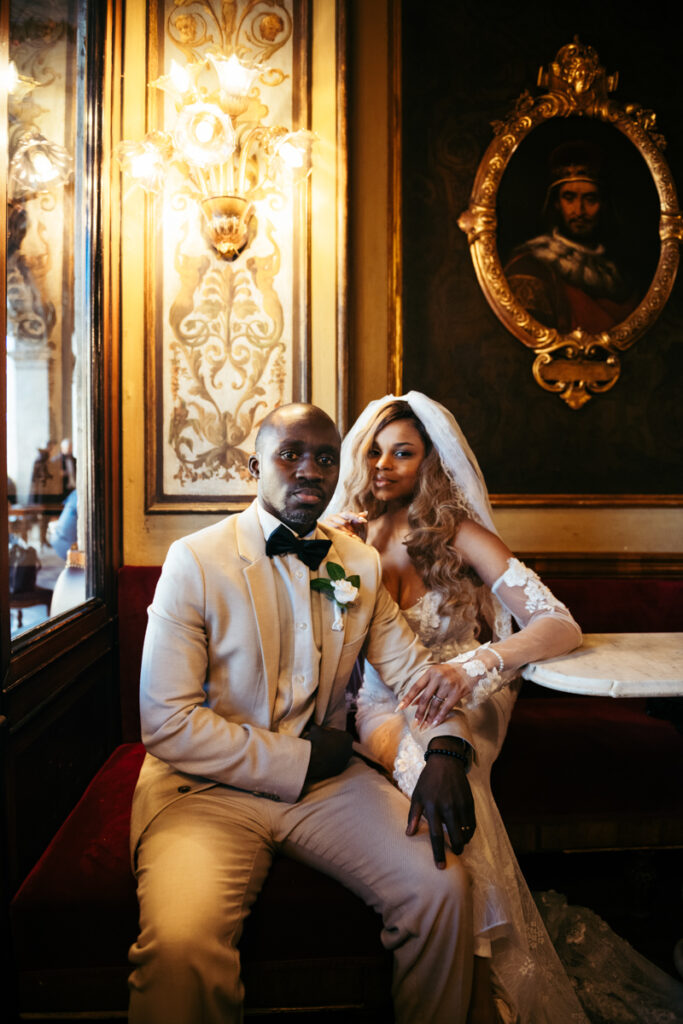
pixel 227 348
pixel 575 364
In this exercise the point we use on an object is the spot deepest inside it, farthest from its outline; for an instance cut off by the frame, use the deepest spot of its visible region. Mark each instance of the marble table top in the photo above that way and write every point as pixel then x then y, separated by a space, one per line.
pixel 616 665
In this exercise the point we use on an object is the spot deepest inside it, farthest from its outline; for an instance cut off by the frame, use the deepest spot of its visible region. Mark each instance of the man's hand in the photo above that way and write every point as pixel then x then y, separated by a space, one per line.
pixel 444 796
pixel 330 752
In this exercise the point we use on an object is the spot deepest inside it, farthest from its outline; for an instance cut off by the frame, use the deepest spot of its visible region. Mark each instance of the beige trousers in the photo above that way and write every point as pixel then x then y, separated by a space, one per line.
pixel 203 860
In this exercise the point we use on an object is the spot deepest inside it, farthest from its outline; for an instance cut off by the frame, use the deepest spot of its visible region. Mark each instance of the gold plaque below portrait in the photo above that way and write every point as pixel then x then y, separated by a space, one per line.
pixel 574 226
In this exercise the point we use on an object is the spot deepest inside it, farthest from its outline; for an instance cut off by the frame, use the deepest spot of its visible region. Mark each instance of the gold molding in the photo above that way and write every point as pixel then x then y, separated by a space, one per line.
pixel 587 565
pixel 395 233
pixel 587 500
pixel 578 365
pixel 111 283
pixel 5 647
pixel 342 205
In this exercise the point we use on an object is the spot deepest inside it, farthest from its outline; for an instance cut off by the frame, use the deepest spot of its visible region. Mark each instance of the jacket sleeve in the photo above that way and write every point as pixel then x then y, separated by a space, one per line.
pixel 400 659
pixel 178 726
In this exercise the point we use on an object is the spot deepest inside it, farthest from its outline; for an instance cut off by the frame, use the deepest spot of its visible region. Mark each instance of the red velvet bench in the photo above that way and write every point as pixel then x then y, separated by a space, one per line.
pixel 574 771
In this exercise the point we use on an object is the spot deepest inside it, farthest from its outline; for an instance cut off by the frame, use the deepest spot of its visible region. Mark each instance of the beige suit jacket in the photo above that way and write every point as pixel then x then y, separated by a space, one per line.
pixel 211 661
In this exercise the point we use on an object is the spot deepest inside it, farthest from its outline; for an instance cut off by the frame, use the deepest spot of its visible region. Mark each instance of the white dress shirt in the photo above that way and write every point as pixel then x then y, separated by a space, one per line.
pixel 299 669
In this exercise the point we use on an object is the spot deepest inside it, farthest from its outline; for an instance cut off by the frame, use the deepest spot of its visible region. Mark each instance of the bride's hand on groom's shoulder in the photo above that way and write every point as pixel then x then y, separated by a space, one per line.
pixel 352 523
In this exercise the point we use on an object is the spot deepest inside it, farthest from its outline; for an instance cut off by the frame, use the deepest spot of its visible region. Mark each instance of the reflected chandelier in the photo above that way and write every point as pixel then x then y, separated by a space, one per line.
pixel 36 165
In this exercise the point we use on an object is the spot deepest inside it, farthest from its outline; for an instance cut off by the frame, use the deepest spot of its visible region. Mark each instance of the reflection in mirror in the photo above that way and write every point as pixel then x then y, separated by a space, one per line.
pixel 46 343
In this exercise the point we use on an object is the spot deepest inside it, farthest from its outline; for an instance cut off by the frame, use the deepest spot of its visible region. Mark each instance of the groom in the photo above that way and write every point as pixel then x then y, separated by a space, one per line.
pixel 243 711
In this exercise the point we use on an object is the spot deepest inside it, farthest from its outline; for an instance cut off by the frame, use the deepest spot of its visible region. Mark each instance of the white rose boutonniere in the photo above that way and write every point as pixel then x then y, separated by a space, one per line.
pixel 339 588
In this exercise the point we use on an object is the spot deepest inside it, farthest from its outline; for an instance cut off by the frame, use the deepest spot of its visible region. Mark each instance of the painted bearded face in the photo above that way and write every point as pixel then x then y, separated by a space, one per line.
pixel 578 206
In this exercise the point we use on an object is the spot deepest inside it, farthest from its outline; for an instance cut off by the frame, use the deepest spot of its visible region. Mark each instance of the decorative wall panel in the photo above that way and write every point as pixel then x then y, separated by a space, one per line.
pixel 228 341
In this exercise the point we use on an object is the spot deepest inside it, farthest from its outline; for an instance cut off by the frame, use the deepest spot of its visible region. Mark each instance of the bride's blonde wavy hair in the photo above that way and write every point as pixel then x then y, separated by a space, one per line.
pixel 435 512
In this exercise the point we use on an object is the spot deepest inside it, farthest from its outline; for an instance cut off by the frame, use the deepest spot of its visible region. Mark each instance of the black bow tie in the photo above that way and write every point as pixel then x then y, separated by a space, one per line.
pixel 311 552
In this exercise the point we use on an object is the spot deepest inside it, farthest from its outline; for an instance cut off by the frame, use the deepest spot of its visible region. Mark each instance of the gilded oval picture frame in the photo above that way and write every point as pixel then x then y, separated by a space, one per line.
pixel 574 225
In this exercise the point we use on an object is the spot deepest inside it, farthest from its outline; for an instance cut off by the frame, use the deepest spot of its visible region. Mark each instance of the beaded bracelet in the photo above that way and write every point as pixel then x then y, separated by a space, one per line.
pixel 494 652
pixel 450 753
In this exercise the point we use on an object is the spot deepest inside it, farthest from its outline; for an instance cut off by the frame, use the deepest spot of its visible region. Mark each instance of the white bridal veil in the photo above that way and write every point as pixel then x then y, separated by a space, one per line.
pixel 456 456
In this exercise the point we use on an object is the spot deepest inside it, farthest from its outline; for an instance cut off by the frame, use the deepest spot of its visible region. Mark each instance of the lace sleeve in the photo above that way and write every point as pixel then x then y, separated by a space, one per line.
pixel 547 630
pixel 527 598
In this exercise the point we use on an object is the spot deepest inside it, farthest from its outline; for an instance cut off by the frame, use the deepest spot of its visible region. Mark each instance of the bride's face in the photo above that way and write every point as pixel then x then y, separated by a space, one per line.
pixel 395 458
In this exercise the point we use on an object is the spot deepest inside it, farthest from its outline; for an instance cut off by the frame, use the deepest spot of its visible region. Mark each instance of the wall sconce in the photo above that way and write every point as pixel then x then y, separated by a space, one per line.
pixel 227 163
pixel 36 165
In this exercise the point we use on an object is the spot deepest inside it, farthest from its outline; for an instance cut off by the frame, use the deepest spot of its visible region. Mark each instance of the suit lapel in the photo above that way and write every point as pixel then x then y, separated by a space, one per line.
pixel 261 584
pixel 258 575
pixel 331 643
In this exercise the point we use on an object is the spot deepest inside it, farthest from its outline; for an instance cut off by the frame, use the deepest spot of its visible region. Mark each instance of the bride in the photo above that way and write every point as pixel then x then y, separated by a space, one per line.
pixel 410 486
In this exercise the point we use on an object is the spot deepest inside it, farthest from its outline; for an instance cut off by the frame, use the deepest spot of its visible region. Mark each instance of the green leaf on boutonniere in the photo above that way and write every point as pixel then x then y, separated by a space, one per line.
pixel 324 586
pixel 339 588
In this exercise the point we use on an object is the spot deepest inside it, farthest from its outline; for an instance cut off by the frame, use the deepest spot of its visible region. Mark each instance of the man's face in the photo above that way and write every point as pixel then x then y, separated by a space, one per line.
pixel 297 467
pixel 578 204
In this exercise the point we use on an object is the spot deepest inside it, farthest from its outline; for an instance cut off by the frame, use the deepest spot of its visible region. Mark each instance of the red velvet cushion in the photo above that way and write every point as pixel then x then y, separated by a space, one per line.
pixel 622 604
pixel 577 756
pixel 136 586
pixel 78 907
pixel 78 904
pixel 335 922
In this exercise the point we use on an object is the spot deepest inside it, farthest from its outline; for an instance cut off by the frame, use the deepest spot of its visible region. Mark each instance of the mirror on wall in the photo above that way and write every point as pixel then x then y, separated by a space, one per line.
pixel 47 336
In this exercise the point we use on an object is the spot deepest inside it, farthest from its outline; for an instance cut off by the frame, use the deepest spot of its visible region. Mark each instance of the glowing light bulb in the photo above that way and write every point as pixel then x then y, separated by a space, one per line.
pixel 144 165
pixel 204 135
pixel 11 77
pixel 291 154
pixel 17 86
pixel 42 167
pixel 235 78
pixel 180 77
pixel 204 129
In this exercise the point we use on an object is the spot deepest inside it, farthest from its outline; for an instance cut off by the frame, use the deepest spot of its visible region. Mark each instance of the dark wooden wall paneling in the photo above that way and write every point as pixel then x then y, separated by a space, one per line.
pixel 57 739
pixel 464 64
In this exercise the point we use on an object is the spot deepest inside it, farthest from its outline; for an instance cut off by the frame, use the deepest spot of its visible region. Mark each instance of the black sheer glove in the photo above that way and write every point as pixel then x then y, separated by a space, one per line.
pixel 444 796
pixel 330 751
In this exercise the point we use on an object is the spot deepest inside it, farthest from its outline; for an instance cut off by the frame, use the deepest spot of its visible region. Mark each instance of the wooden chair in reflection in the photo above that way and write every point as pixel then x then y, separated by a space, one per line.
pixel 29 599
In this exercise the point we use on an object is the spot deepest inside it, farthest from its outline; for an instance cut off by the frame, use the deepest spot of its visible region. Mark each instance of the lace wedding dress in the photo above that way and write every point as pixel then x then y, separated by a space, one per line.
pixel 530 983
pixel 616 984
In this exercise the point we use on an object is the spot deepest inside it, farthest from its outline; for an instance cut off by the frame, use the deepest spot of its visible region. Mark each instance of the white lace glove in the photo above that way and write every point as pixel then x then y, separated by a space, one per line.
pixel 489 680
